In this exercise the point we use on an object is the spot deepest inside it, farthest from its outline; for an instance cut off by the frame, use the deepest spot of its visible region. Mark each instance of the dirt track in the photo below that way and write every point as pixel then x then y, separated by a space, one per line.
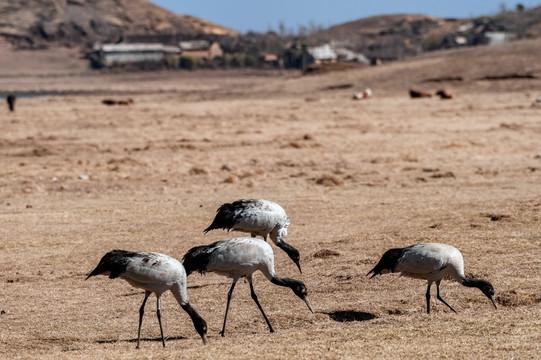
pixel 356 178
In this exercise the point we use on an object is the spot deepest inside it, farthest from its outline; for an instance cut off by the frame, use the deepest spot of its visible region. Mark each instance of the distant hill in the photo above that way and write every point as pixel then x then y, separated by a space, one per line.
pixel 386 36
pixel 39 23
pixel 34 24
pixel 393 37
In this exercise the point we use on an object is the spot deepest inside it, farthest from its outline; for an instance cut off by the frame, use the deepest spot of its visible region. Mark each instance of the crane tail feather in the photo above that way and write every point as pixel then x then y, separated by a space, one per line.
pixel 225 217
pixel 197 258
pixel 114 263
pixel 388 262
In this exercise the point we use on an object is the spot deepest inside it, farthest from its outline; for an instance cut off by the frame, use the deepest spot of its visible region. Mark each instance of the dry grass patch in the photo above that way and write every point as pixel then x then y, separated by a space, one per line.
pixel 150 177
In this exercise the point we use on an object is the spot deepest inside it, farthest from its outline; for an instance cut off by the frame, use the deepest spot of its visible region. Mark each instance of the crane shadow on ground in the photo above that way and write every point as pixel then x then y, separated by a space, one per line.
pixel 157 339
pixel 143 293
pixel 350 315
pixel 198 286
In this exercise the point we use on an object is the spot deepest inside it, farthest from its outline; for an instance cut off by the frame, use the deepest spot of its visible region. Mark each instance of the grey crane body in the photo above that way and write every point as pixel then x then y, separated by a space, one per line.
pixel 431 262
pixel 238 258
pixel 154 273
pixel 259 218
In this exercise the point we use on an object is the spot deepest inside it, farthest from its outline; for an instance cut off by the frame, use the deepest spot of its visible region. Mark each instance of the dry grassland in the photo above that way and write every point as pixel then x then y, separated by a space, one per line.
pixel 356 178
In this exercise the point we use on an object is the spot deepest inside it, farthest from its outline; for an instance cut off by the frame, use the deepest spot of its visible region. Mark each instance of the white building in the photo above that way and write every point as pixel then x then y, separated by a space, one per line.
pixel 111 54
pixel 323 53
pixel 498 37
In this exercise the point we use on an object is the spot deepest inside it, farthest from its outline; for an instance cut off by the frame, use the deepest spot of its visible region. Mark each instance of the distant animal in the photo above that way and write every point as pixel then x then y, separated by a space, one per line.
pixel 431 262
pixel 365 94
pixel 444 94
pixel 257 217
pixel 419 94
pixel 11 102
pixel 125 102
pixel 117 102
pixel 237 258
pixel 154 273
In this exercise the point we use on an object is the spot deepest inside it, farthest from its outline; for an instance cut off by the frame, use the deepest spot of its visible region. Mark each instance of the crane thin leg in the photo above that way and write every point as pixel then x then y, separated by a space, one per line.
pixel 159 314
pixel 441 299
pixel 229 295
pixel 141 313
pixel 254 296
pixel 428 298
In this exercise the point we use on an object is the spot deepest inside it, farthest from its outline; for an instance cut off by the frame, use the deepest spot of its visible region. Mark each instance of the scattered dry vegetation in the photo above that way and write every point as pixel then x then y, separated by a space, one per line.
pixel 81 178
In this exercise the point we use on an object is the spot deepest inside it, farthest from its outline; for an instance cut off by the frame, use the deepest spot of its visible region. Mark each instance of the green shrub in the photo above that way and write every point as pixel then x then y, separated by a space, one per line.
pixel 188 62
pixel 249 60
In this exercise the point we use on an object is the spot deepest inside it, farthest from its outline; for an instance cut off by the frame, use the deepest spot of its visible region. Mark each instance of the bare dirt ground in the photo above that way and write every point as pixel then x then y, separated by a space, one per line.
pixel 356 178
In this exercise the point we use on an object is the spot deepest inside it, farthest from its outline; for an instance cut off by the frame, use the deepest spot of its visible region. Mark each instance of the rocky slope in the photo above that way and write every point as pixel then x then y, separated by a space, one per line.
pixel 39 23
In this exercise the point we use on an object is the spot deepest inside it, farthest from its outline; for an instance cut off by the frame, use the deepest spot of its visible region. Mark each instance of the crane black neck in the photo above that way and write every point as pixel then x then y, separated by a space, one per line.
pixel 199 323
pixel 469 282
pixel 286 282
pixel 290 250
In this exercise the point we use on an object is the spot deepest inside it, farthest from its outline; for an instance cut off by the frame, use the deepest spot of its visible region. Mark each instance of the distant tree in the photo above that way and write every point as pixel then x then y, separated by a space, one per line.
pixel 302 31
pixel 188 62
pixel 520 7
pixel 282 29
pixel 313 27
pixel 249 60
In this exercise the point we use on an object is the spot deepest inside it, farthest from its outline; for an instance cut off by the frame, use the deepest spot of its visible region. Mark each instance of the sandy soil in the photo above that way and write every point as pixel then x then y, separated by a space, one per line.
pixel 356 177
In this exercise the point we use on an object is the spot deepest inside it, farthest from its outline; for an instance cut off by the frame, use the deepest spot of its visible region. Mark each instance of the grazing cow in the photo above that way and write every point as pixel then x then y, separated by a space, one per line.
pixel 444 94
pixel 125 102
pixel 108 102
pixel 365 94
pixel 419 94
pixel 11 102
pixel 117 102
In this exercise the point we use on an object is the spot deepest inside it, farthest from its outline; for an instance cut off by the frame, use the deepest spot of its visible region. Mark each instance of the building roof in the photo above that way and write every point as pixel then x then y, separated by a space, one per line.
pixel 323 52
pixel 137 47
pixel 351 56
pixel 194 45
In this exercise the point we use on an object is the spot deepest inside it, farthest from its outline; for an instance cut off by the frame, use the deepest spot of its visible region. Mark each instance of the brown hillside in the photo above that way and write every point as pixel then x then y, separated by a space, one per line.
pixel 36 23
pixel 388 37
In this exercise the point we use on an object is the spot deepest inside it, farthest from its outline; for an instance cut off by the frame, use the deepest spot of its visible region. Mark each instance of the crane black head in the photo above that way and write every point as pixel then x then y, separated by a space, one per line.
pixel 201 327
pixel 297 286
pixel 488 290
pixel 485 287
pixel 199 323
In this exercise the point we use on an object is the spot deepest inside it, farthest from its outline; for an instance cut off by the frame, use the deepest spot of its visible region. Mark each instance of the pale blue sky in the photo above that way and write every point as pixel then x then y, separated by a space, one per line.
pixel 261 16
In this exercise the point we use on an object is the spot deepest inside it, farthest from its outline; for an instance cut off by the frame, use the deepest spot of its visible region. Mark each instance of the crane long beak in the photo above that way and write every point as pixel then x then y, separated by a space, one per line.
pixel 493 302
pixel 204 338
pixel 308 304
pixel 299 266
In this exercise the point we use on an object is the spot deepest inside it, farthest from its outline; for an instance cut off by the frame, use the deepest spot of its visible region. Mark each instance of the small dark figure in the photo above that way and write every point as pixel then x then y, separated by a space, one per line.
pixel 419 94
pixel 11 102
pixel 117 102
pixel 125 102
pixel 109 102
pixel 444 94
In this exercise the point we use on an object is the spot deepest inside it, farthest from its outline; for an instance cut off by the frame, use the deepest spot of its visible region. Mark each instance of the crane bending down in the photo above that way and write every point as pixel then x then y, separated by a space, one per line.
pixel 257 217
pixel 154 273
pixel 237 258
pixel 431 262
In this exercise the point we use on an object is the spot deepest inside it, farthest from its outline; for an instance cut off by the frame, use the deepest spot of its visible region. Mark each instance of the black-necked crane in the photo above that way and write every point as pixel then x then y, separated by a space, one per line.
pixel 237 258
pixel 257 217
pixel 154 273
pixel 431 262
